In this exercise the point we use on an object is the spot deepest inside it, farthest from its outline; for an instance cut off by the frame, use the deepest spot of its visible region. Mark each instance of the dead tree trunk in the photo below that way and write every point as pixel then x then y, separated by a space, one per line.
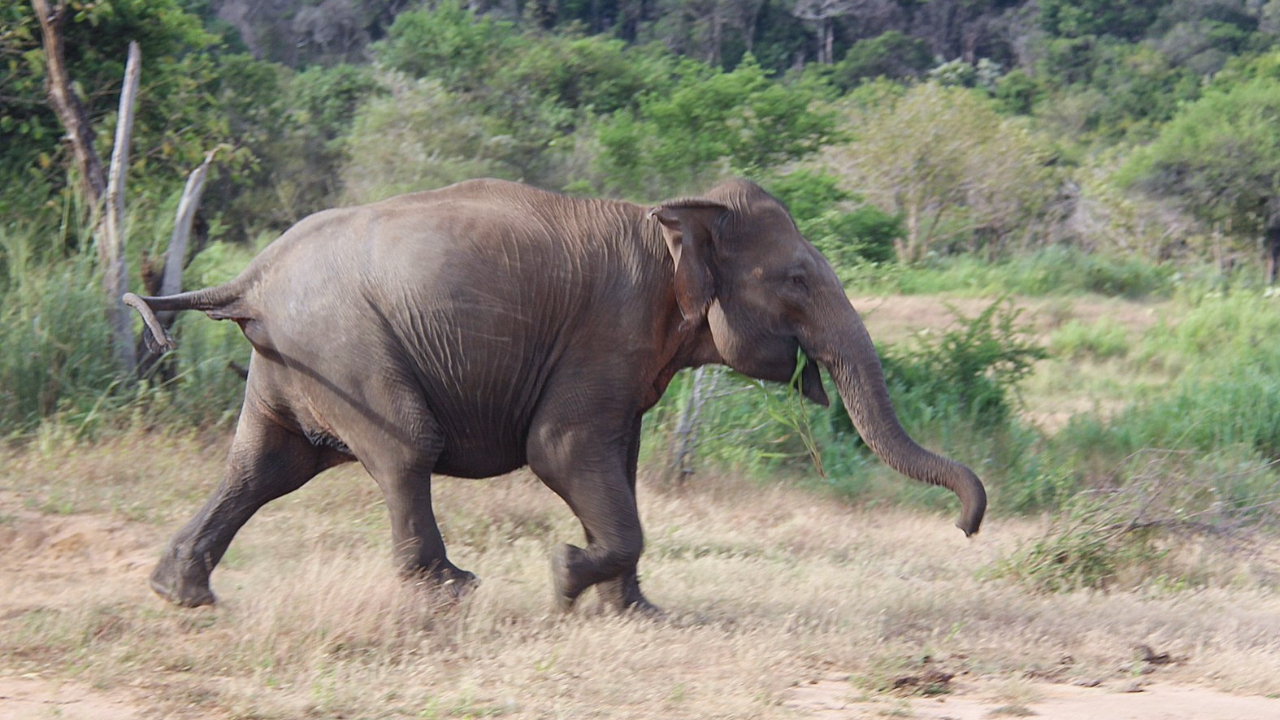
pixel 104 197
pixel 175 256
pixel 685 442
pixel 115 269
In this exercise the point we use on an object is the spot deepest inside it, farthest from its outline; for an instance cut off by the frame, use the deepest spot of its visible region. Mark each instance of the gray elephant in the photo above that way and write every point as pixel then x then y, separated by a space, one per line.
pixel 490 325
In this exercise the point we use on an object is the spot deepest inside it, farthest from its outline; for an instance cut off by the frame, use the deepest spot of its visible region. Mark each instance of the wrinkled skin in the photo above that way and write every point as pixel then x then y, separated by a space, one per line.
pixel 485 326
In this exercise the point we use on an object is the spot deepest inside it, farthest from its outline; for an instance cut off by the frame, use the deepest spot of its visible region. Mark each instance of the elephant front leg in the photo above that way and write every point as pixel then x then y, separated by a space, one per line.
pixel 622 594
pixel 590 473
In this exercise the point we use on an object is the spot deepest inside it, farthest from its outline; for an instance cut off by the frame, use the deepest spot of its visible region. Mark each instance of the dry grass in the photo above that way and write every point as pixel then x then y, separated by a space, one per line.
pixel 767 587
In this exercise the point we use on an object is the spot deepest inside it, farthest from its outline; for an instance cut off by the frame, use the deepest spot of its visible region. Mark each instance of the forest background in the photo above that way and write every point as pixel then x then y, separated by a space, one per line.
pixel 1029 153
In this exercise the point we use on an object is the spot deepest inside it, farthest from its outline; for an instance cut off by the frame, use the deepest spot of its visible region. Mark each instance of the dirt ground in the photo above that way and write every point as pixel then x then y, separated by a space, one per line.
pixel 45 561
pixel 34 698
pixel 832 700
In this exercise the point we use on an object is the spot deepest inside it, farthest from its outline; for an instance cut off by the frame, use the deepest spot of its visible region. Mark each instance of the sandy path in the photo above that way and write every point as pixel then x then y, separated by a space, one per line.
pixel 836 700
pixel 35 698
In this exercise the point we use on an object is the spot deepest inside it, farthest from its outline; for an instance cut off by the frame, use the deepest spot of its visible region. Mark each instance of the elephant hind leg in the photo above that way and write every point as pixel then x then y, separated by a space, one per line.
pixel 400 451
pixel 266 461
pixel 417 543
pixel 622 595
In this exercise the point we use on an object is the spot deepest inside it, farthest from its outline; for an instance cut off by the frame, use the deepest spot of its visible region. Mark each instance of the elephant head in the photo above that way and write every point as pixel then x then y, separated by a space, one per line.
pixel 766 293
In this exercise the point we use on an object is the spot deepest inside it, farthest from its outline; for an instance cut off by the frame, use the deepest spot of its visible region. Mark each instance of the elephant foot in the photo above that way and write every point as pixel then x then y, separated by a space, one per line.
pixel 622 595
pixel 567 587
pixel 452 582
pixel 181 584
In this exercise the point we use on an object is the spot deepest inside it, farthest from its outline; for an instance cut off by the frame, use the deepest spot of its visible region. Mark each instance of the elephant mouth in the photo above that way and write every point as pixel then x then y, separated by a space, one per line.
pixel 807 377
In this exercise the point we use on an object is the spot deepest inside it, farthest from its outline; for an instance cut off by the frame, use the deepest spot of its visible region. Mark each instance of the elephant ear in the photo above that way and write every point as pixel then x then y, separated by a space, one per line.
pixel 688 227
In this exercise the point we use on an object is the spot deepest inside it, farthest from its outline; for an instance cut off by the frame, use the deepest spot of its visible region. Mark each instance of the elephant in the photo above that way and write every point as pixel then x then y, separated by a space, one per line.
pixel 489 325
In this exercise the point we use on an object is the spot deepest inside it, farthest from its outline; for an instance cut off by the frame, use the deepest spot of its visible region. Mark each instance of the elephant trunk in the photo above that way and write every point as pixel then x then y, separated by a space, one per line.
pixel 846 350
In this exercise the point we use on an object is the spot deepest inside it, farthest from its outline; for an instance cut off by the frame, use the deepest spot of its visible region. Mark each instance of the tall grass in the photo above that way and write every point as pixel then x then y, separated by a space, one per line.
pixel 55 357
pixel 56 363
pixel 1224 354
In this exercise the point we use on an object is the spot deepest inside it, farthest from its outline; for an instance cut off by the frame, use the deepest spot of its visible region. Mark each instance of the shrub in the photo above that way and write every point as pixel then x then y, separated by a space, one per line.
pixel 967 373
pixel 1128 535
pixel 846 237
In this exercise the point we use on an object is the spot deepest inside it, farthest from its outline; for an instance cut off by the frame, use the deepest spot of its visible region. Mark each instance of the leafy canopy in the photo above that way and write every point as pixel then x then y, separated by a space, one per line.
pixel 1219 156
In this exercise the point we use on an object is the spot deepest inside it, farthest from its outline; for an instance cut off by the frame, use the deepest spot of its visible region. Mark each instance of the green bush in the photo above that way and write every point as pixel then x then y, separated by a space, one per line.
pixel 820 208
pixel 967 373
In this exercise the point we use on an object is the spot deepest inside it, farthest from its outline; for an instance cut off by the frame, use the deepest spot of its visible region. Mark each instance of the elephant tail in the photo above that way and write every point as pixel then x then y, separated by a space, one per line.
pixel 223 302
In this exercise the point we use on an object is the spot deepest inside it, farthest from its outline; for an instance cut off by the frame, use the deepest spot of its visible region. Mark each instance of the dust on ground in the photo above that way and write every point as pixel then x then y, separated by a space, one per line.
pixel 30 697
pixel 834 699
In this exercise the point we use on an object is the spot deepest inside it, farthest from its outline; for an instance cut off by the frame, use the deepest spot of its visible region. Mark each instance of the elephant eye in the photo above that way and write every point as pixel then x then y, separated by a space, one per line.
pixel 799 281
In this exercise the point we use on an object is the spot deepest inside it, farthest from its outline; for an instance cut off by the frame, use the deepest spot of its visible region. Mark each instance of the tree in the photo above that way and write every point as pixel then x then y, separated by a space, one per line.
pixel 67 103
pixel 708 122
pixel 943 159
pixel 180 113
pixel 823 14
pixel 1219 157
pixel 104 194
pixel 891 55
pixel 1128 19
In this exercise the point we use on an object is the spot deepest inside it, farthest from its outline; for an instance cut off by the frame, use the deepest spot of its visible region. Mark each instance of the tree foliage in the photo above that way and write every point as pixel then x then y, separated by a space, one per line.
pixel 1128 19
pixel 1219 156
pixel 711 121
pixel 943 159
